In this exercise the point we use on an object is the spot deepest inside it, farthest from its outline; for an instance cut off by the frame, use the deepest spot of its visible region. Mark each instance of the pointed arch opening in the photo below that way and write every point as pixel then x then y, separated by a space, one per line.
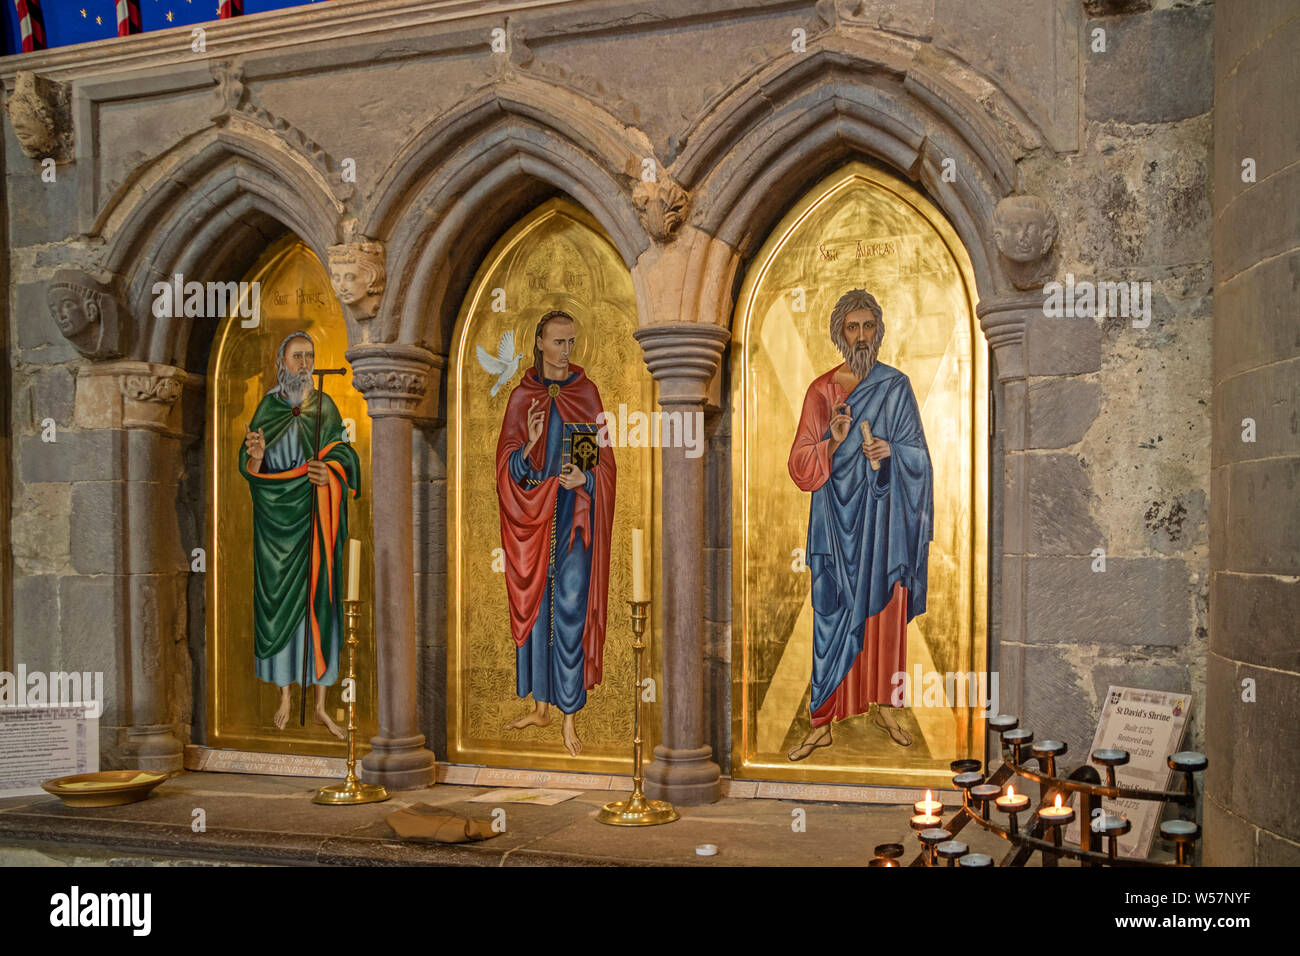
pixel 861 227
pixel 243 680
pixel 556 257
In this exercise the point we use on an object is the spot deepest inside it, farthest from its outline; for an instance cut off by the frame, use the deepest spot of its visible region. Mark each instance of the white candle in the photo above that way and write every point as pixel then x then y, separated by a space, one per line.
pixel 929 806
pixel 638 568
pixel 354 570
pixel 1057 815
pixel 1012 801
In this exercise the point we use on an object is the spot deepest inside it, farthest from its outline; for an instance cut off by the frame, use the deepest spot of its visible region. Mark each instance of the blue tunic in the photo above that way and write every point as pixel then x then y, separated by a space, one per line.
pixel 549 665
pixel 869 529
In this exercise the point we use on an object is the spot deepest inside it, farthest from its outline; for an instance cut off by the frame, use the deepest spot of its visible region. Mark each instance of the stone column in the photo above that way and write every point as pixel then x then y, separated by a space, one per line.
pixel 1251 816
pixel 1044 533
pixel 397 381
pixel 1003 321
pixel 683 358
pixel 129 528
pixel 157 561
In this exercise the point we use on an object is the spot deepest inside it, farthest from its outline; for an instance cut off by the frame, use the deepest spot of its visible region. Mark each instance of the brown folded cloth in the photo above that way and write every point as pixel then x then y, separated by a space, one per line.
pixel 423 823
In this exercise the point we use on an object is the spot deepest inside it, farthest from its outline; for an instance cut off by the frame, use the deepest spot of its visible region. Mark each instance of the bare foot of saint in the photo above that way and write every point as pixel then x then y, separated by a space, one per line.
pixel 323 719
pixel 886 722
pixel 538 718
pixel 282 714
pixel 817 737
pixel 571 736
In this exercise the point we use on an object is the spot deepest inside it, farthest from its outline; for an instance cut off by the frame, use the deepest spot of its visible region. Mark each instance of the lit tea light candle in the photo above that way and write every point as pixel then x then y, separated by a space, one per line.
pixel 926 821
pixel 1057 815
pixel 929 806
pixel 1012 802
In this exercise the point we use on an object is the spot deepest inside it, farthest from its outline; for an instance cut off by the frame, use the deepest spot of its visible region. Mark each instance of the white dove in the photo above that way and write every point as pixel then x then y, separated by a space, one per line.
pixel 504 364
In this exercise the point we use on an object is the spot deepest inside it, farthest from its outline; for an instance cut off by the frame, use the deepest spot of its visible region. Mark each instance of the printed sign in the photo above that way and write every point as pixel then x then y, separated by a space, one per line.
pixel 40 743
pixel 1149 724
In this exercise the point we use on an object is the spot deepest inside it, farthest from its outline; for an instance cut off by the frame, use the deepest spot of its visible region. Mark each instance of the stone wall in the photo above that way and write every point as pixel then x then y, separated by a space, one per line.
pixel 1254 655
pixel 1114 419
pixel 6 446
pixel 1102 428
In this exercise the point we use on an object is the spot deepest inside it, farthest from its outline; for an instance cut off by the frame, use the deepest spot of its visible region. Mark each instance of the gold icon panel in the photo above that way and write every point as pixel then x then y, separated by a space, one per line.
pixel 295 294
pixel 557 257
pixel 859 228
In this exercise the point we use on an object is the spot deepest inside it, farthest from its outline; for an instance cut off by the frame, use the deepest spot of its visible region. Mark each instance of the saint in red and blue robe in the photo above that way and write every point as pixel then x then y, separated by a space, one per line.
pixel 556 541
pixel 868 538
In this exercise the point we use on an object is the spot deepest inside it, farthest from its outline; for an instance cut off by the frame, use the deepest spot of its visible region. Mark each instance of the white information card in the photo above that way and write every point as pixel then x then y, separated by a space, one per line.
pixel 1148 724
pixel 40 743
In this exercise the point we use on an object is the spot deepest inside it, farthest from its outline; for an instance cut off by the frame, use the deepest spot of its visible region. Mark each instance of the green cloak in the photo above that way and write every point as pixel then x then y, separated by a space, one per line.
pixel 282 532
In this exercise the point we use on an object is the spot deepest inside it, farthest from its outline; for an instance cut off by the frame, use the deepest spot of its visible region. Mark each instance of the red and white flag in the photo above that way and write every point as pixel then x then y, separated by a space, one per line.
pixel 128 17
pixel 31 24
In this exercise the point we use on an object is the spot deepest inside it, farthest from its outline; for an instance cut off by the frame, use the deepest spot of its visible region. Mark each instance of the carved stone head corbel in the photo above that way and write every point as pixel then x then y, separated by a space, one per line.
pixel 662 205
pixel 86 312
pixel 357 274
pixel 39 113
pixel 1024 229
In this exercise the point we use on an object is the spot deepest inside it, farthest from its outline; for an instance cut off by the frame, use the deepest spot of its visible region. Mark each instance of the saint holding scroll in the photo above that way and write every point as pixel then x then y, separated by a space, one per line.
pixel 555 485
pixel 870 523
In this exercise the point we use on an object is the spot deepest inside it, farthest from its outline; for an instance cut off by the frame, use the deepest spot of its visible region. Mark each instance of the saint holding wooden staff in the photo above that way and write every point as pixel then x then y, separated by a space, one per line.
pixel 301 473
pixel 870 523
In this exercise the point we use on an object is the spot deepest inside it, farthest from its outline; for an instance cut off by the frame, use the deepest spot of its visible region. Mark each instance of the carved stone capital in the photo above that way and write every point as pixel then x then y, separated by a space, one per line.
pixel 396 380
pixel 132 395
pixel 358 276
pixel 87 313
pixel 40 116
pixel 684 358
pixel 1024 229
pixel 662 205
pixel 1003 320
pixel 154 388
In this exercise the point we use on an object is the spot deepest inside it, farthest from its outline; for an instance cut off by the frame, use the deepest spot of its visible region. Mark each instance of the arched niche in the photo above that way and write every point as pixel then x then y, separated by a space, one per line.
pixel 295 294
pixel 557 256
pixel 860 227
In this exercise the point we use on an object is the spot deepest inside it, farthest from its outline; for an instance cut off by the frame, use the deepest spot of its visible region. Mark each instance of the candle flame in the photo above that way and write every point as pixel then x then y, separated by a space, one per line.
pixel 928 796
pixel 1011 792
pixel 1058 801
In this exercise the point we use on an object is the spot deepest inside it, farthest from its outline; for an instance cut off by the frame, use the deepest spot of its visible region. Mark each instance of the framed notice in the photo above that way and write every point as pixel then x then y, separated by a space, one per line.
pixel 40 743
pixel 1149 724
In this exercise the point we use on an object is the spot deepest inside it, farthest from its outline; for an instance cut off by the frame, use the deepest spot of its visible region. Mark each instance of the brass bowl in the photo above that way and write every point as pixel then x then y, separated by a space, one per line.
pixel 108 788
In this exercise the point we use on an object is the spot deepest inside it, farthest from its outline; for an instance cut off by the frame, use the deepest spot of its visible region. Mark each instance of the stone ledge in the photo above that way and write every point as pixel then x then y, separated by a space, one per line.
pixel 270 820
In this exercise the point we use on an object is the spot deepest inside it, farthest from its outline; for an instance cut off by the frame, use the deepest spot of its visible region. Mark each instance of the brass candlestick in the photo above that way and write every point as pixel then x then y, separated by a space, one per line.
pixel 636 810
pixel 351 791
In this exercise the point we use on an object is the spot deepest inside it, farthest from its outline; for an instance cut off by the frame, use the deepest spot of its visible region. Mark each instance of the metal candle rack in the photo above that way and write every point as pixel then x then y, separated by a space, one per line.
pixel 1043 830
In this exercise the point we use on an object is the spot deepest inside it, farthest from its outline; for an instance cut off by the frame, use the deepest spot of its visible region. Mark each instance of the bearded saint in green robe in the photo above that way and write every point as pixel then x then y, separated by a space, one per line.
pixel 292 556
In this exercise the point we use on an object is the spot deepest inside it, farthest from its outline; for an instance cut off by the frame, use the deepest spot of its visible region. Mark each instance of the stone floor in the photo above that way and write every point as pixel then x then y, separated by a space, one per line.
pixel 271 820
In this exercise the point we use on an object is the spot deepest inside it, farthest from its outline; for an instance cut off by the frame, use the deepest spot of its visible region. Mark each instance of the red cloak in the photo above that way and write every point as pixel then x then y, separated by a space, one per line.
pixel 527 514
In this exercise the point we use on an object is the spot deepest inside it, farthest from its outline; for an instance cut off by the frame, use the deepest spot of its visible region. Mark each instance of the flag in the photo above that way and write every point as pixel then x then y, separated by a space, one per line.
pixel 31 23
pixel 128 17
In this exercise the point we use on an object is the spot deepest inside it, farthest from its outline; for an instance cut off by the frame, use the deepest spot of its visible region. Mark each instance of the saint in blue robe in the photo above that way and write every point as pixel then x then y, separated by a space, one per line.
pixel 867 530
